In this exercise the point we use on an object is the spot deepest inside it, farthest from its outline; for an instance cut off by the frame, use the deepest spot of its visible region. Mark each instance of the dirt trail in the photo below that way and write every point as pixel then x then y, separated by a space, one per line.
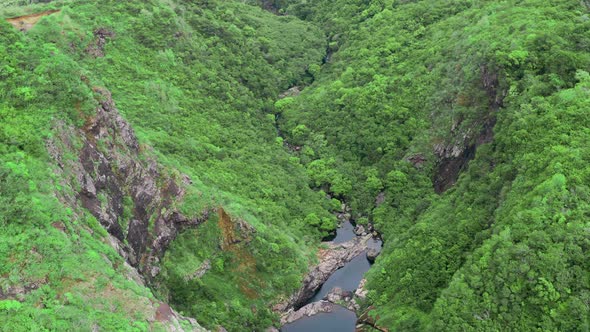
pixel 26 22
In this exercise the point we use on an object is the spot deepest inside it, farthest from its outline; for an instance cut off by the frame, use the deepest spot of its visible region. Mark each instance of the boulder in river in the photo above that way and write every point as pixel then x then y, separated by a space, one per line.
pixel 338 295
pixel 343 217
pixel 346 299
pixel 372 254
pixel 359 230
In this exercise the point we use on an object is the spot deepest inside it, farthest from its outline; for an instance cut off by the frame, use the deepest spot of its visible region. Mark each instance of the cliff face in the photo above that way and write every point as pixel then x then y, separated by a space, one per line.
pixel 455 154
pixel 121 185
pixel 124 189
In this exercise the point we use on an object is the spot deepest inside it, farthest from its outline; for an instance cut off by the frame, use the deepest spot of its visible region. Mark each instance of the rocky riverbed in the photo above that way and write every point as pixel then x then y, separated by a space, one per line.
pixel 330 260
pixel 332 288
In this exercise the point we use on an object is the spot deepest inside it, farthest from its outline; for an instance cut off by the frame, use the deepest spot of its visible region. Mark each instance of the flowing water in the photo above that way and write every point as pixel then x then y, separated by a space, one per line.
pixel 344 233
pixel 347 278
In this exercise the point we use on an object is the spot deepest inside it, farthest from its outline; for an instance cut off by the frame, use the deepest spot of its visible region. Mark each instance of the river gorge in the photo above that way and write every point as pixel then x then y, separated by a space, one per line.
pixel 323 311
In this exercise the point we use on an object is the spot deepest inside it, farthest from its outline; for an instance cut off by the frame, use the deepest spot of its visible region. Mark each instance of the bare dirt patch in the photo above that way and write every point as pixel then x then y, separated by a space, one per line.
pixel 245 263
pixel 26 22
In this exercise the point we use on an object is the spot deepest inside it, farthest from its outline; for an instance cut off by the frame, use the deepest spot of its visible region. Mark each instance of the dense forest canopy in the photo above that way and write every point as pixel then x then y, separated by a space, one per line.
pixel 458 128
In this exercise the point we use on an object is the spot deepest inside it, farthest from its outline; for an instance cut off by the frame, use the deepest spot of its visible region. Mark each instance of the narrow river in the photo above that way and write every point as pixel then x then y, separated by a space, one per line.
pixel 347 278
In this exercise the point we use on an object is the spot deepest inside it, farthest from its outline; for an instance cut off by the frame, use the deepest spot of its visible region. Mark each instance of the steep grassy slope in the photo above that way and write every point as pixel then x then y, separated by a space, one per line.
pixel 196 82
pixel 58 270
pixel 457 127
pixel 417 89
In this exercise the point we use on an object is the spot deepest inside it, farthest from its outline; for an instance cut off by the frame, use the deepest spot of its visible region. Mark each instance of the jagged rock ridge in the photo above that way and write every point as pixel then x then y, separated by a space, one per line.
pixel 122 185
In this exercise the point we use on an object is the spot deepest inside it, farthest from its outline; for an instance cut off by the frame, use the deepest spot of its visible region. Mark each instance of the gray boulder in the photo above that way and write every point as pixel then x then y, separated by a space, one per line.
pixel 372 254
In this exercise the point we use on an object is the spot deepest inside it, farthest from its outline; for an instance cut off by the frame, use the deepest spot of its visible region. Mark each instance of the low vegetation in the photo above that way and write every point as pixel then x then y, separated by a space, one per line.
pixel 457 128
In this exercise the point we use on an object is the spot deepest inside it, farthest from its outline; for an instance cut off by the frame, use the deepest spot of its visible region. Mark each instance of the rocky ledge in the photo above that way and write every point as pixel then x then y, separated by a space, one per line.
pixel 330 260
pixel 306 311
pixel 337 296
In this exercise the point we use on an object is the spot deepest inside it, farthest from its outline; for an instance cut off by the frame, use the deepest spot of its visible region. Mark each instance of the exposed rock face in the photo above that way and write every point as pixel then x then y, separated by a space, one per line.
pixel 361 291
pixel 292 92
pixel 200 272
pixel 96 49
pixel 453 159
pixel 121 185
pixel 343 298
pixel 345 214
pixel 417 160
pixel 307 311
pixel 331 259
pixel 380 199
pixel 454 155
pixel 336 296
pixel 18 292
pixel 174 321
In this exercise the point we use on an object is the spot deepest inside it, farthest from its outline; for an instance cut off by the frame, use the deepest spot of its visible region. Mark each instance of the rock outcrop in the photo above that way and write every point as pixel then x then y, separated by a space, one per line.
pixel 336 296
pixel 345 214
pixel 200 272
pixel 176 322
pixel 307 311
pixel 372 254
pixel 96 48
pixel 121 185
pixel 291 92
pixel 454 154
pixel 361 291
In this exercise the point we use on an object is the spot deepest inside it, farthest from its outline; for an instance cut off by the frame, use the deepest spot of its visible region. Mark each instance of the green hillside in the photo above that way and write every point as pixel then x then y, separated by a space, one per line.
pixel 207 144
pixel 412 93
